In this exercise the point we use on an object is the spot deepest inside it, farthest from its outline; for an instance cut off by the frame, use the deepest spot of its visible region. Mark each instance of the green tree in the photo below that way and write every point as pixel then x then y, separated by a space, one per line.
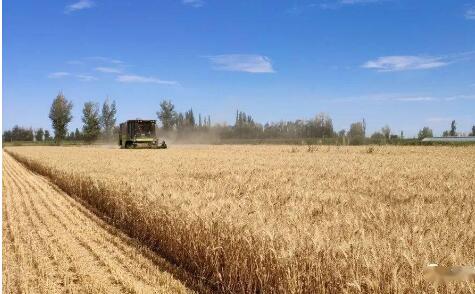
pixel 108 118
pixel 18 133
pixel 39 134
pixel 180 121
pixel 91 119
pixel 453 128
pixel 356 133
pixel 322 126
pixel 426 132
pixel 386 131
pixel 378 138
pixel 77 134
pixel 7 136
pixel 71 136
pixel 60 115
pixel 190 119
pixel 167 114
pixel 47 136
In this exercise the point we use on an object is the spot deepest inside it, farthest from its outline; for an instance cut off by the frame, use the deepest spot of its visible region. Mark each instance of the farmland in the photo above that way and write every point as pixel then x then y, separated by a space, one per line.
pixel 51 244
pixel 274 218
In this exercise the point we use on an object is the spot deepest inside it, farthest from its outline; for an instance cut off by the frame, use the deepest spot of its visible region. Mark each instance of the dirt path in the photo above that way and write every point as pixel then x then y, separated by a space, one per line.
pixel 53 244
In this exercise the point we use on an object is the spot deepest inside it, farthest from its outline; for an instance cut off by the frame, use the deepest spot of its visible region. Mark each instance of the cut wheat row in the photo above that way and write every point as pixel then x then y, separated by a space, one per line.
pixel 53 245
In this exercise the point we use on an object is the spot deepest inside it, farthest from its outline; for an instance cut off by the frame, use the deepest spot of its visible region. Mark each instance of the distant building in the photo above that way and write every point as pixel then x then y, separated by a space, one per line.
pixel 449 139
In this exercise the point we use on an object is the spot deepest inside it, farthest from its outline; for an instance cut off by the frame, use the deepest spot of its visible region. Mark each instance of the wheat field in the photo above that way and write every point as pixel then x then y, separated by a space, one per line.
pixel 266 219
pixel 52 244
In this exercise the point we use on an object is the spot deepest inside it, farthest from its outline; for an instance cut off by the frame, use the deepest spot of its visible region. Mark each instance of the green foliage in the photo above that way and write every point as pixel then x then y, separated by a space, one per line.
pixel 185 121
pixel 167 115
pixel 426 132
pixel 47 136
pixel 60 115
pixel 91 120
pixel 378 138
pixel 357 133
pixel 39 134
pixel 453 129
pixel 18 133
pixel 386 131
pixel 78 135
pixel 108 119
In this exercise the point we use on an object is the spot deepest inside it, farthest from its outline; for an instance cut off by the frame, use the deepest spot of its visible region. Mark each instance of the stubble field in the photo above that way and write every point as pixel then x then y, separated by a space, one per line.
pixel 282 218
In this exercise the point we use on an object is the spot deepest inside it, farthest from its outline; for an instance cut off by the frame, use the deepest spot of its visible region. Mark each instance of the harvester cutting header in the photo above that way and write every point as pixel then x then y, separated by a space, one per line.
pixel 140 133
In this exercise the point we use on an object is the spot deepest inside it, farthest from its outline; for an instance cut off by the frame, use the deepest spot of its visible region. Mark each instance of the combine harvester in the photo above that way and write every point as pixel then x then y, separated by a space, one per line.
pixel 140 133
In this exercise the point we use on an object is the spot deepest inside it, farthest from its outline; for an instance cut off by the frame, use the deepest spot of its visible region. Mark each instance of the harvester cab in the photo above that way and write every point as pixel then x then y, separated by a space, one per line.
pixel 140 133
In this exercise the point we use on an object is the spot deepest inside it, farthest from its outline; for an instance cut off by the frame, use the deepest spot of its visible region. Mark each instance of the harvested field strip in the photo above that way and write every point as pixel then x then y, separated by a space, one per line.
pixel 52 244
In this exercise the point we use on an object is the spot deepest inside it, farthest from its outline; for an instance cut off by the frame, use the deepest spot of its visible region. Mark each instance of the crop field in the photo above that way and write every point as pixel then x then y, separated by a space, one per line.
pixel 287 219
pixel 51 244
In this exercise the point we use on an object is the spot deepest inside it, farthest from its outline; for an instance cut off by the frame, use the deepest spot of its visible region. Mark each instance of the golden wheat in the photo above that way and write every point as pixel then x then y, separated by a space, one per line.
pixel 285 219
pixel 51 244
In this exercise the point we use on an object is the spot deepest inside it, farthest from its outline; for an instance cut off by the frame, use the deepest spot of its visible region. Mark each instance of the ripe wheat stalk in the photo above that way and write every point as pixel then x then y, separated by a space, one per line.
pixel 281 219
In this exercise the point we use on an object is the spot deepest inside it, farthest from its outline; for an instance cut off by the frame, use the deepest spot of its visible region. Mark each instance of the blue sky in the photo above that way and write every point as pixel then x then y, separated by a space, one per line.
pixel 404 63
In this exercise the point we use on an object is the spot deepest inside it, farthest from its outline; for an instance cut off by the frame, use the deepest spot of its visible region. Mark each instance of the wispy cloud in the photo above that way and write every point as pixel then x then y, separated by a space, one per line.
pixel 402 63
pixel 86 78
pixel 416 99
pixel 104 59
pixel 194 3
pixel 413 62
pixel 329 4
pixel 400 98
pixel 299 9
pixel 354 2
pixel 80 5
pixel 470 13
pixel 108 69
pixel 341 3
pixel 242 62
pixel 58 75
pixel 143 79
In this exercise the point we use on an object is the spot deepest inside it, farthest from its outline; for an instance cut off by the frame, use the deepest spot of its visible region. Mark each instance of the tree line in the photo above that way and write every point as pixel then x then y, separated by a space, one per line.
pixel 321 126
pixel 99 123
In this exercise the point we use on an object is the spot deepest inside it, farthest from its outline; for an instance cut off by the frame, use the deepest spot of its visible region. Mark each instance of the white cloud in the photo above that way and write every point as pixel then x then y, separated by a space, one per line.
pixel 340 3
pixel 104 59
pixel 58 75
pixel 86 78
pixel 415 99
pixel 143 79
pixel 470 13
pixel 108 69
pixel 194 3
pixel 353 2
pixel 80 5
pixel 400 97
pixel 242 62
pixel 402 63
